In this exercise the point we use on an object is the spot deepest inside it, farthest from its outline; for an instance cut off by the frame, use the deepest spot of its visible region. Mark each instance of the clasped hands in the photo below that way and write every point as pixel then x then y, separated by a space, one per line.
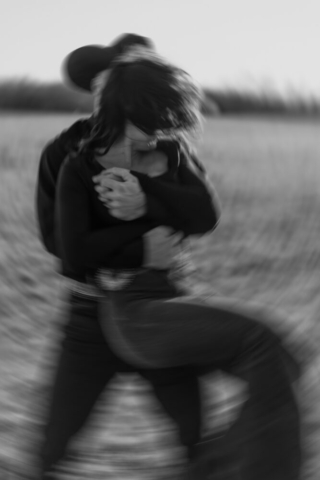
pixel 121 193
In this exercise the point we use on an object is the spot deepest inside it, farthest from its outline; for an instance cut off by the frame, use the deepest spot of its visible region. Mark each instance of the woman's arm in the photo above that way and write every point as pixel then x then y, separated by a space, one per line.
pixel 78 244
pixel 192 199
pixel 52 158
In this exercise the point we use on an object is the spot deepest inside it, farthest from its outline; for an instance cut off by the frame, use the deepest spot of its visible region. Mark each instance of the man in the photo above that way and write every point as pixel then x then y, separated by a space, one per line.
pixel 81 375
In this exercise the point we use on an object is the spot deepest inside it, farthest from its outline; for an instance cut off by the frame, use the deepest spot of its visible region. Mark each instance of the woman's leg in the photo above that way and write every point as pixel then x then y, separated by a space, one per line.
pixel 183 331
pixel 178 391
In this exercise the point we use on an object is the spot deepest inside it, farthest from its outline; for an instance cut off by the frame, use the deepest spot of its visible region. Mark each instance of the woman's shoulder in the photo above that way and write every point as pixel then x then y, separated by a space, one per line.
pixel 81 162
pixel 78 167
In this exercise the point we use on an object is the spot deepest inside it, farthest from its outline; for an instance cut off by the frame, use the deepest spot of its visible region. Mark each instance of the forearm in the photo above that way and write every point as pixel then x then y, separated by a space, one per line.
pixel 192 203
pixel 112 247
pixel 156 211
pixel 130 256
pixel 181 198
pixel 186 203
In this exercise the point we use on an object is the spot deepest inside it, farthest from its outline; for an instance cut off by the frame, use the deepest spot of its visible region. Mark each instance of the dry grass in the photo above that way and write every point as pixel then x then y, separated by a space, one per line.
pixel 266 249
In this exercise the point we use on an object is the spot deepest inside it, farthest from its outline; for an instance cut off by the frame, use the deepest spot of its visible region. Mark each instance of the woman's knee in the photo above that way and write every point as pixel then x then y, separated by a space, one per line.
pixel 260 341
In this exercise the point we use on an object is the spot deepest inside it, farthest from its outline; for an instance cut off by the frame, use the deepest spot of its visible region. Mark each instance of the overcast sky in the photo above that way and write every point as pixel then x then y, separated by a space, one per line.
pixel 255 43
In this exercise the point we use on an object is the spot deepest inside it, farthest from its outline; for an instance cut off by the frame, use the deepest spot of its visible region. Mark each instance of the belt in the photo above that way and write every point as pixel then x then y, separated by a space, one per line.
pixel 104 280
pixel 108 279
pixel 85 290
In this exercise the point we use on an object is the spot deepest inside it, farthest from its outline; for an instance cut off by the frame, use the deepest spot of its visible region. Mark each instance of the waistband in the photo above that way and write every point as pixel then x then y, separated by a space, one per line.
pixel 103 281
pixel 108 279
pixel 85 290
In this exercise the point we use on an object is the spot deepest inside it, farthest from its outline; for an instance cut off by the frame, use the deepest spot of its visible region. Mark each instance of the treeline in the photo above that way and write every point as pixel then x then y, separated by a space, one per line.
pixel 246 102
pixel 56 97
pixel 49 97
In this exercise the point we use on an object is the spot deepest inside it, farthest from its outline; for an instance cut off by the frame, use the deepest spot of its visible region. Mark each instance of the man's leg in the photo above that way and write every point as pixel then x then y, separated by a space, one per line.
pixel 85 366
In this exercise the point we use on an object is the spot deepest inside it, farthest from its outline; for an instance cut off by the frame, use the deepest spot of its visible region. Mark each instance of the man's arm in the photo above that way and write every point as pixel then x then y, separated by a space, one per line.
pixel 192 200
pixel 52 157
pixel 187 202
pixel 51 160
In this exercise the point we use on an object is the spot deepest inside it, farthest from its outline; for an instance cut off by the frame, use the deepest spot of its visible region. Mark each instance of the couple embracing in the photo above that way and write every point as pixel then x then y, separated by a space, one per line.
pixel 118 196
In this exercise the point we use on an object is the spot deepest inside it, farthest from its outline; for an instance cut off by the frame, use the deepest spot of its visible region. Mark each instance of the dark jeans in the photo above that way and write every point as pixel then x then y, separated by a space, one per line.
pixel 151 327
pixel 85 367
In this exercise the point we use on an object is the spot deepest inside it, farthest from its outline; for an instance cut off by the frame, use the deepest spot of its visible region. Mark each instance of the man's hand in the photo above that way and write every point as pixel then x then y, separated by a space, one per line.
pixel 161 246
pixel 121 193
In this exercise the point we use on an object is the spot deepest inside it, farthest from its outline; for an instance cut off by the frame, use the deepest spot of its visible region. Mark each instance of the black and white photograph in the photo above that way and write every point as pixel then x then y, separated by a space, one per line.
pixel 160 240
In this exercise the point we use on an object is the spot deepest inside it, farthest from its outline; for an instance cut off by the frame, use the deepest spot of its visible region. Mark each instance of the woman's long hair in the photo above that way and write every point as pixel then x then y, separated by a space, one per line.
pixel 149 92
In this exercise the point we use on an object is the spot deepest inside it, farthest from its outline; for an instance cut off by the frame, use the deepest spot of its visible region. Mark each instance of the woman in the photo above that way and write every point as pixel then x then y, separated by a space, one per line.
pixel 86 364
pixel 153 322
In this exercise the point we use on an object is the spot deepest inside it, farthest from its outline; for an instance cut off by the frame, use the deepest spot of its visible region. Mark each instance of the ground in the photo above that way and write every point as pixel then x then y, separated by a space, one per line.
pixel 266 249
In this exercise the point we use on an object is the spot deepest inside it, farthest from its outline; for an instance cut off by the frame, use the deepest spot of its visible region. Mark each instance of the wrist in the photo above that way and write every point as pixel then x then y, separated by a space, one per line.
pixel 141 206
pixel 142 210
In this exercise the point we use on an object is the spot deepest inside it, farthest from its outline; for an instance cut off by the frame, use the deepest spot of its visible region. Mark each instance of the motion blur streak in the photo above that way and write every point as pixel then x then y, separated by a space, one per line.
pixel 266 249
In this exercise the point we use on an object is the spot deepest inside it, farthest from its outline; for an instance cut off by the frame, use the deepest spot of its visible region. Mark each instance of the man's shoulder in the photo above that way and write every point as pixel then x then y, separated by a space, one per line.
pixel 77 130
pixel 66 141
pixel 56 151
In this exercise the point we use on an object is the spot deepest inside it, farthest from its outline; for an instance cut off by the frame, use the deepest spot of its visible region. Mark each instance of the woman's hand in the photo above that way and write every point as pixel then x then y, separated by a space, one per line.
pixel 161 247
pixel 121 193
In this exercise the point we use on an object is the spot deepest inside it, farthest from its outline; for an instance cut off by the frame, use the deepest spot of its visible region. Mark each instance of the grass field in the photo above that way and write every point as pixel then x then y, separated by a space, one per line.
pixel 266 249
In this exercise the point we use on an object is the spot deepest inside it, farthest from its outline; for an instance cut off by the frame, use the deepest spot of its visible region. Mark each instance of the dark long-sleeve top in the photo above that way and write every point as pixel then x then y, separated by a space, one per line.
pixel 51 160
pixel 81 230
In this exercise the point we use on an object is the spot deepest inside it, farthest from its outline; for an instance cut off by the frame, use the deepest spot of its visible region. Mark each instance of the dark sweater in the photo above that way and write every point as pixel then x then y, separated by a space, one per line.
pixel 78 228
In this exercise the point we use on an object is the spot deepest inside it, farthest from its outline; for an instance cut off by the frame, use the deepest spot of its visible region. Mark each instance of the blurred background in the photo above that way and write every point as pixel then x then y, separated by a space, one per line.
pixel 257 62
